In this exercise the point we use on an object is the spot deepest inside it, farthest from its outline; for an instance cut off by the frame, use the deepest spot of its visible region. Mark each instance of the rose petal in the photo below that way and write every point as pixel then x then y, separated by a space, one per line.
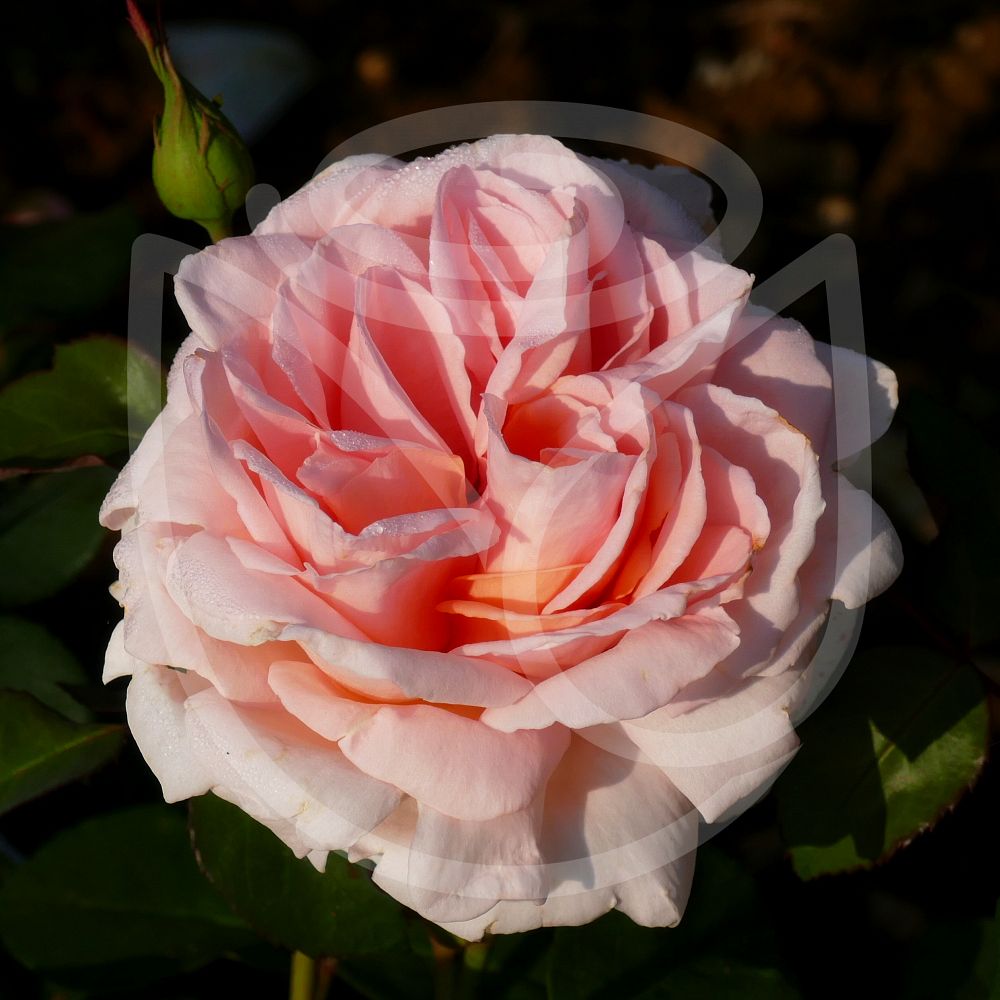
pixel 454 764
pixel 229 289
pixel 399 673
pixel 337 196
pixel 282 774
pixel 615 834
pixel 639 675
pixel 542 508
pixel 154 704
pixel 869 553
pixel 317 700
pixel 455 869
pixel 218 594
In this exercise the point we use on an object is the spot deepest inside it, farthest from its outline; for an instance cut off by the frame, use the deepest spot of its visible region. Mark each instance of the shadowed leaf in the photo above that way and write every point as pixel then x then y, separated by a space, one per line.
pixel 338 913
pixel 49 530
pixel 40 750
pixel 116 900
pixel 82 406
pixel 901 738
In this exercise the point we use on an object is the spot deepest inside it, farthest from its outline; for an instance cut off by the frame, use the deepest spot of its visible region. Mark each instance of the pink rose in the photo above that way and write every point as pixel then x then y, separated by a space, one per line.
pixel 487 532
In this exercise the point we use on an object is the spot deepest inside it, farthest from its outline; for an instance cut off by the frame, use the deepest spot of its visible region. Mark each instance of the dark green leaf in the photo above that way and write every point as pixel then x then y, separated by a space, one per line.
pixel 40 750
pixel 951 457
pixel 717 977
pixel 953 958
pixel 117 898
pixel 49 530
pixel 517 966
pixel 901 738
pixel 82 406
pixel 991 963
pixel 33 660
pixel 339 913
pixel 64 268
pixel 723 944
pixel 959 469
pixel 405 972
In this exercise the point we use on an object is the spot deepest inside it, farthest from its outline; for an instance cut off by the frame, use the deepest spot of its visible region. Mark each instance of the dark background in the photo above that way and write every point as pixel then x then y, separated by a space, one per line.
pixel 874 119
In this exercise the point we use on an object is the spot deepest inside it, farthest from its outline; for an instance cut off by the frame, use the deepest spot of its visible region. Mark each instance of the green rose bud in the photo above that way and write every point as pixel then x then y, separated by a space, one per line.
pixel 201 168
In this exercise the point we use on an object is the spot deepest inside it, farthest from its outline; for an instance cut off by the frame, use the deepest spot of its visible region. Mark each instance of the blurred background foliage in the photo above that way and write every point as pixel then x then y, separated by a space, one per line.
pixel 874 864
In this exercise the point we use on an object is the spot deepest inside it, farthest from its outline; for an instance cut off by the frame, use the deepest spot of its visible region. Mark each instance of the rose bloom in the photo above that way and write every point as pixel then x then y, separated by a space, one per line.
pixel 487 532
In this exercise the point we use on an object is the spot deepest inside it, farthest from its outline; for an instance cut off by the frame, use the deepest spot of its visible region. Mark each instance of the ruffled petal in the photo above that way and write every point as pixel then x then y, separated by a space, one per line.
pixel 285 776
pixel 451 869
pixel 228 290
pixel 869 554
pixel 395 673
pixel 455 764
pixel 639 675
pixel 154 705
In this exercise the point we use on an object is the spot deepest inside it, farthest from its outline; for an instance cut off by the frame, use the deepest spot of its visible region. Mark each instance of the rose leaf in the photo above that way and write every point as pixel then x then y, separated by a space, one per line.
pixel 117 900
pixel 958 469
pixel 33 660
pixel 49 530
pixel 723 947
pixel 97 399
pixel 954 957
pixel 339 913
pixel 66 267
pixel 40 750
pixel 902 737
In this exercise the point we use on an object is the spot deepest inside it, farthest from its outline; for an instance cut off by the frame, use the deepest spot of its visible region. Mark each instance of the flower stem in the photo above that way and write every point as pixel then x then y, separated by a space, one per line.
pixel 217 229
pixel 303 974
pixel 474 958
pixel 444 970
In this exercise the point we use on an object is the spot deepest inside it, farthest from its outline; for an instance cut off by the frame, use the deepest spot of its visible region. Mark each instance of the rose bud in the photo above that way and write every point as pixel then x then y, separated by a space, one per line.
pixel 201 168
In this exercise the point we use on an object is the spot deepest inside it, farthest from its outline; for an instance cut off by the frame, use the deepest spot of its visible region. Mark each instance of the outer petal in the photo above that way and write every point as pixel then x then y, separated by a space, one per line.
pixel 217 592
pixel 156 717
pixel 230 289
pixel 453 869
pixel 326 707
pixel 732 745
pixel 123 498
pixel 869 555
pixel 683 214
pixel 282 774
pixel 779 363
pixel 454 764
pixel 157 631
pixel 786 473
pixel 335 197
pixel 856 429
pixel 613 833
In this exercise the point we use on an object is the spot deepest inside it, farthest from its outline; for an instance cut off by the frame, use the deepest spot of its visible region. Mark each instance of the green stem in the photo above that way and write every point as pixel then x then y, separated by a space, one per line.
pixel 217 229
pixel 303 974
pixel 474 957
pixel 444 970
